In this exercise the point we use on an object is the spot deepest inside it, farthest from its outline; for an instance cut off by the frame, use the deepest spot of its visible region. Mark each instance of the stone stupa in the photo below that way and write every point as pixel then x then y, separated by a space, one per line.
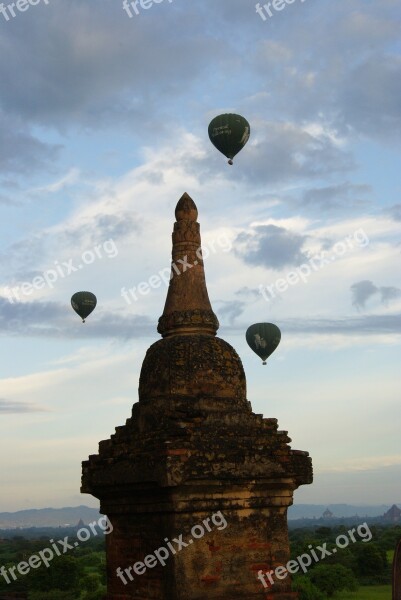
pixel 193 449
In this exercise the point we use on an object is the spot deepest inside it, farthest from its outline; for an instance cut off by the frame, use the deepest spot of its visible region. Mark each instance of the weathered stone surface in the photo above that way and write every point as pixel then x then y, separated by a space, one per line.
pixel 192 366
pixel 396 595
pixel 187 308
pixel 193 448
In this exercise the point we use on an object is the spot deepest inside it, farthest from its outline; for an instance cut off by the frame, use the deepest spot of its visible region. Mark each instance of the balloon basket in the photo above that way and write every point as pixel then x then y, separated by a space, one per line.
pixel 230 162
pixel 264 363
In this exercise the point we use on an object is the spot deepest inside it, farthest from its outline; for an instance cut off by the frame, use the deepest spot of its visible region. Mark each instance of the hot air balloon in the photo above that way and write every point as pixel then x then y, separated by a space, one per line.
pixel 83 303
pixel 263 339
pixel 229 133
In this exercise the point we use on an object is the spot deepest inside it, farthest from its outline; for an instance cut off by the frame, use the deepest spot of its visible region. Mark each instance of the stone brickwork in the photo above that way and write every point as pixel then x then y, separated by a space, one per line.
pixel 396 595
pixel 193 447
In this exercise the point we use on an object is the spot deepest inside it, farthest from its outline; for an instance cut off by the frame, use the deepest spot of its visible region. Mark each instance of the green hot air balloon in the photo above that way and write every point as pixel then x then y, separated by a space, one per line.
pixel 83 303
pixel 229 133
pixel 263 339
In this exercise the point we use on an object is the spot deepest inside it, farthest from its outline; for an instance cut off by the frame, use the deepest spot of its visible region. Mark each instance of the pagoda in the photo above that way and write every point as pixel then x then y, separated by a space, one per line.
pixel 193 457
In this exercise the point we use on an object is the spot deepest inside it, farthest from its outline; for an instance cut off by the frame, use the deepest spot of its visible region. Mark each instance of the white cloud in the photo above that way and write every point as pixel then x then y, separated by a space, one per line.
pixel 68 179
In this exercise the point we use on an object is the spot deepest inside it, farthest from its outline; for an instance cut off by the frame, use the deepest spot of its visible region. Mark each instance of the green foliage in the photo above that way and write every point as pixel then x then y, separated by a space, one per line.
pixel 91 582
pixel 371 563
pixel 330 579
pixel 99 594
pixel 62 574
pixel 324 532
pixel 93 559
pixel 79 574
pixel 389 537
pixel 345 557
pixel 306 589
pixel 52 595
pixel 376 592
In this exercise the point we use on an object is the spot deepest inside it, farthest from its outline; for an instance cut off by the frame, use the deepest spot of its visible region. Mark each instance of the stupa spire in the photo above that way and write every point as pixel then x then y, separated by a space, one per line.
pixel 191 448
pixel 187 309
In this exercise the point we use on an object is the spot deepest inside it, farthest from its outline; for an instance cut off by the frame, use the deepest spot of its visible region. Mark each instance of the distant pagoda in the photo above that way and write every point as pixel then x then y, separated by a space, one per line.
pixel 193 448
pixel 393 514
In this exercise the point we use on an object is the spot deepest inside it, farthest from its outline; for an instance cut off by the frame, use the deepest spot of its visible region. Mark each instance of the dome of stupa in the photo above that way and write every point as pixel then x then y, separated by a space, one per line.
pixel 190 361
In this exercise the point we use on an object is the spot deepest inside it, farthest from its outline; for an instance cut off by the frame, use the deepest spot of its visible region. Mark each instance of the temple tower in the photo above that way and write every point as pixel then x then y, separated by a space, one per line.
pixel 193 457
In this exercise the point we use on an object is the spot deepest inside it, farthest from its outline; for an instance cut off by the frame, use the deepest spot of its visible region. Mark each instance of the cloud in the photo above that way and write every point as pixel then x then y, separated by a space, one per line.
pixel 248 292
pixel 364 290
pixel 9 407
pixel 103 70
pixel 271 246
pixel 372 97
pixel 31 256
pixel 354 87
pixel 69 179
pixel 21 152
pixel 367 325
pixel 395 212
pixel 285 152
pixel 23 253
pixel 55 320
pixel 361 292
pixel 386 328
pixel 365 463
pixel 7 201
pixel 389 293
pixel 344 195
pixel 230 309
pixel 99 228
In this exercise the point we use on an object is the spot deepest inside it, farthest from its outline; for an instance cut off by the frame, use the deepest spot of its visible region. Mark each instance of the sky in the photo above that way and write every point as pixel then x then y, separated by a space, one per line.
pixel 103 126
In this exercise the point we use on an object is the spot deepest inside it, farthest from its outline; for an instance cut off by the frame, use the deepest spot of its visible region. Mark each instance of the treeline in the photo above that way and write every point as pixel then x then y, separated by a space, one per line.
pixel 79 574
pixel 360 563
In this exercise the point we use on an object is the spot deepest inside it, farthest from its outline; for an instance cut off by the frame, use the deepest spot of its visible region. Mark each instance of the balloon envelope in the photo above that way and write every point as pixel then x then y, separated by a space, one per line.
pixel 229 133
pixel 83 303
pixel 263 339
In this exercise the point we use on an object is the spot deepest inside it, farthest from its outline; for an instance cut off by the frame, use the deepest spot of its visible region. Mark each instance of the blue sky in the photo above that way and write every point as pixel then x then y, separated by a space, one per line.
pixel 103 126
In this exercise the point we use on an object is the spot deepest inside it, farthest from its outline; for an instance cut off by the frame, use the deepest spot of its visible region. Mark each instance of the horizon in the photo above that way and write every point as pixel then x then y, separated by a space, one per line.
pixel 299 512
pixel 292 505
pixel 295 505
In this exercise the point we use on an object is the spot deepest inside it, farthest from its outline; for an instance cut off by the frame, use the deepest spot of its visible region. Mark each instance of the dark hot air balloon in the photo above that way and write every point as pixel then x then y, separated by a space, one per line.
pixel 263 339
pixel 83 303
pixel 229 133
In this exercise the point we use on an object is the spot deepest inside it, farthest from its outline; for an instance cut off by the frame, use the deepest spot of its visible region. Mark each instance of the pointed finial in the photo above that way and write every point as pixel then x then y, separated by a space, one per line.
pixel 187 309
pixel 186 209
